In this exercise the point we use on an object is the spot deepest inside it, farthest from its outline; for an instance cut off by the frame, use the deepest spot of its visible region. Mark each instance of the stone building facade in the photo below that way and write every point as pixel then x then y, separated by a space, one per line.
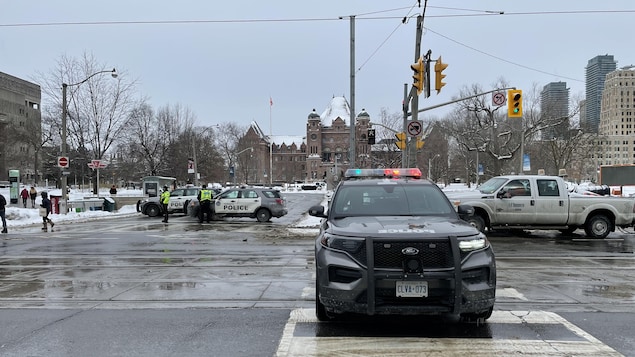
pixel 322 154
pixel 20 126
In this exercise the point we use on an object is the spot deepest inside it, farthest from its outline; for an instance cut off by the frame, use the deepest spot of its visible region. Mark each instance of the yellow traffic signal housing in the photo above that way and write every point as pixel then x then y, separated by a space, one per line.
pixel 401 140
pixel 420 143
pixel 439 66
pixel 419 76
pixel 515 103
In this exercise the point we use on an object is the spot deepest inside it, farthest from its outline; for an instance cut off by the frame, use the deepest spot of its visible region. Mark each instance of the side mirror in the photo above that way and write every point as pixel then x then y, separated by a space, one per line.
pixel 465 211
pixel 317 211
pixel 502 194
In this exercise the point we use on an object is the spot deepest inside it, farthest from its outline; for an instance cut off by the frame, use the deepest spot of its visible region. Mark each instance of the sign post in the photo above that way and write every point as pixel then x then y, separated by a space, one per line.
pixel 62 161
pixel 96 165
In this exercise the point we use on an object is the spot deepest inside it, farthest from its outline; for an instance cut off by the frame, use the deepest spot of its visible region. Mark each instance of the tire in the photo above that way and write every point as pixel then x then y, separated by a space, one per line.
pixel 477 222
pixel 598 226
pixel 320 310
pixel 187 203
pixel 153 210
pixel 479 317
pixel 263 215
pixel 139 206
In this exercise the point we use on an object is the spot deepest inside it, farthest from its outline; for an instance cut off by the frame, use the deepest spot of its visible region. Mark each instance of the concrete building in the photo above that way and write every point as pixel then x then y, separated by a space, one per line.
pixel 554 107
pixel 319 155
pixel 596 70
pixel 20 126
pixel 617 118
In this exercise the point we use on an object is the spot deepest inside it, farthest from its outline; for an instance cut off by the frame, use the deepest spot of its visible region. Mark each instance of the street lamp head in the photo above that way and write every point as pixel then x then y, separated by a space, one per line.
pixel 114 73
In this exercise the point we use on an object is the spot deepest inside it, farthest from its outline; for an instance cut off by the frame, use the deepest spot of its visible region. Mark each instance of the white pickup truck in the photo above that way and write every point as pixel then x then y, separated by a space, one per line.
pixel 543 202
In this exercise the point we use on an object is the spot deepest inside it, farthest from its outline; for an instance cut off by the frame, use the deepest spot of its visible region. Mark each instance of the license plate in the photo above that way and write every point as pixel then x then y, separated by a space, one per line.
pixel 411 289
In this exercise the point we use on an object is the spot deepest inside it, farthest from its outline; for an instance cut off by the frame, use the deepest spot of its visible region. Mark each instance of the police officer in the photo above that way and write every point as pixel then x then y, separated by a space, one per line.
pixel 204 198
pixel 165 200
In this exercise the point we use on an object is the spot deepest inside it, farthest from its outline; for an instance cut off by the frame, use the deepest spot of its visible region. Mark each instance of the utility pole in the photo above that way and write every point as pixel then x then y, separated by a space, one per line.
pixel 412 143
pixel 351 151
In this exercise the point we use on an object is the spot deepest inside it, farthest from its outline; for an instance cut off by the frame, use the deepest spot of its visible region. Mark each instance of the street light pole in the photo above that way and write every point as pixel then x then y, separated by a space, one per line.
pixel 113 73
pixel 194 151
pixel 430 160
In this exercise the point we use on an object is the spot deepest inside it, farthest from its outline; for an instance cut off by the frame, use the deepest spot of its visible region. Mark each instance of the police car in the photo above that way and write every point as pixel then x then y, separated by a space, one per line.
pixel 251 202
pixel 392 243
pixel 179 202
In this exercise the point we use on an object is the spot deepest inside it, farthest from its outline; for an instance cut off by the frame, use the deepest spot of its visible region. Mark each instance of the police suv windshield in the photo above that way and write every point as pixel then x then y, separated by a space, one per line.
pixel 390 198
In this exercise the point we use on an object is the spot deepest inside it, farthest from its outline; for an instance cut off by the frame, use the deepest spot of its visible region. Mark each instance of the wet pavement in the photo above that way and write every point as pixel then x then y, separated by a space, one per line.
pixel 138 264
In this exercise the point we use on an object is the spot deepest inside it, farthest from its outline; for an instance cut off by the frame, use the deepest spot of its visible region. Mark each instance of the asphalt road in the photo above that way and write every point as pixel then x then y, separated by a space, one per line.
pixel 136 286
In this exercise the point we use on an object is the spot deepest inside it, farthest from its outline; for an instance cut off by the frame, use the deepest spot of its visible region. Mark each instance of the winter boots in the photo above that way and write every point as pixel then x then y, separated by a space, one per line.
pixel 45 226
pixel 4 230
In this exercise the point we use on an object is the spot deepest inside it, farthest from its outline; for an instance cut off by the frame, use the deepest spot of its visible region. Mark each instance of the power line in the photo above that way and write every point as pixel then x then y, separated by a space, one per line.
pixel 499 58
pixel 230 21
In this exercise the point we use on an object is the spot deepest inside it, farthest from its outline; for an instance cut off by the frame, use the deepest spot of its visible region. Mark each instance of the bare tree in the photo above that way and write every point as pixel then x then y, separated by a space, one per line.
pixel 146 139
pixel 228 142
pixel 475 124
pixel 385 152
pixel 97 107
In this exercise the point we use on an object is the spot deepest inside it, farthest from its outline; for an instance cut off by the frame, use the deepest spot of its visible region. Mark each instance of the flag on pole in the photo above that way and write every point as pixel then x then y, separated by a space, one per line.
pixel 270 102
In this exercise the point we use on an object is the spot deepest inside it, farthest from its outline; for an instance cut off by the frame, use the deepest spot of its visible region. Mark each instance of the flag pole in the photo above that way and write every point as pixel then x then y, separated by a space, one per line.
pixel 270 144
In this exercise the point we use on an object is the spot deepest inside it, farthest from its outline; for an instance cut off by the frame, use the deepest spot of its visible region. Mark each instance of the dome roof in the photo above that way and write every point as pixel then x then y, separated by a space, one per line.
pixel 363 113
pixel 313 114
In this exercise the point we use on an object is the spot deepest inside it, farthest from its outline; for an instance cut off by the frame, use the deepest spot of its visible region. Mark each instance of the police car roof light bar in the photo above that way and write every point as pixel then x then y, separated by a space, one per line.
pixel 383 173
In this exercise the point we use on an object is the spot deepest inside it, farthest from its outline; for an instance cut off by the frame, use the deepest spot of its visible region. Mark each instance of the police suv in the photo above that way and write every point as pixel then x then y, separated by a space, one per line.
pixel 392 243
pixel 251 202
pixel 179 202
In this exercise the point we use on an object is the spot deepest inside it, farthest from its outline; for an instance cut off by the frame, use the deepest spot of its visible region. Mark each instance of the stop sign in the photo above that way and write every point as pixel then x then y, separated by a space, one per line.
pixel 62 161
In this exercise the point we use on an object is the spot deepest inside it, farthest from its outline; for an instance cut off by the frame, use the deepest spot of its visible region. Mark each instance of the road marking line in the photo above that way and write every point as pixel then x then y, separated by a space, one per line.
pixel 291 345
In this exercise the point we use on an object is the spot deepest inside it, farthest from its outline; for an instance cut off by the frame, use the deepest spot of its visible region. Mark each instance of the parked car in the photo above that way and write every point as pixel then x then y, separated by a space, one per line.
pixel 179 202
pixel 252 202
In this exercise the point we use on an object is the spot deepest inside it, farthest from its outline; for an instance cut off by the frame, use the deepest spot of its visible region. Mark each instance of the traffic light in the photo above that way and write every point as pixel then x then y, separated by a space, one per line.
pixel 438 74
pixel 419 76
pixel 401 140
pixel 420 143
pixel 371 136
pixel 515 103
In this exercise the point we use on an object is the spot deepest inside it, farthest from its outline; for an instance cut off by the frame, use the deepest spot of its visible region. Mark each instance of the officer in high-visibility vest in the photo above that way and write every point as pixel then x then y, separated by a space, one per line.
pixel 204 198
pixel 165 200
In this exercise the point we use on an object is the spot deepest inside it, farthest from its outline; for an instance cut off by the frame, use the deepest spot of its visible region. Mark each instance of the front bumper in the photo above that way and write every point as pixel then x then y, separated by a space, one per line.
pixel 345 284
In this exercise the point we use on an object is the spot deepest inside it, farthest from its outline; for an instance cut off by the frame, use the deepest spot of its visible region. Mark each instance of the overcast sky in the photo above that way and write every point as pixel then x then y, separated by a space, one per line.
pixel 219 60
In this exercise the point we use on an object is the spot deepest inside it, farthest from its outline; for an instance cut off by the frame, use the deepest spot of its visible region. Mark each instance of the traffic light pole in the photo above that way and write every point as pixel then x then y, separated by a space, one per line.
pixel 412 143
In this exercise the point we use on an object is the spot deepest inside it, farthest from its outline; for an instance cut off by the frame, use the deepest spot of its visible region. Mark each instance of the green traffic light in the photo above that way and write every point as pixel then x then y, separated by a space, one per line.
pixel 516 110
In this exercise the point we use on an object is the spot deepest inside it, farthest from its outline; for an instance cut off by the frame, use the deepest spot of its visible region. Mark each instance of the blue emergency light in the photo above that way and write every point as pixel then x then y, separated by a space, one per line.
pixel 383 173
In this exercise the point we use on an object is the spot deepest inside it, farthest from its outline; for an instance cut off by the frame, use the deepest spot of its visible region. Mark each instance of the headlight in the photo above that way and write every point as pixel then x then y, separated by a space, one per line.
pixel 474 244
pixel 350 245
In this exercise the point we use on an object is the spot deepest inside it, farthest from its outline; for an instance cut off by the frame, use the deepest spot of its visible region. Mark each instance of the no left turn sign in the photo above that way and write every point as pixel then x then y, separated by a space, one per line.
pixel 414 128
pixel 498 98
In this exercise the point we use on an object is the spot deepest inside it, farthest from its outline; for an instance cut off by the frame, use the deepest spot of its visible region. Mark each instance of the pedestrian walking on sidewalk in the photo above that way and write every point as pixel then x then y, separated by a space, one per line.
pixel 33 194
pixel 25 196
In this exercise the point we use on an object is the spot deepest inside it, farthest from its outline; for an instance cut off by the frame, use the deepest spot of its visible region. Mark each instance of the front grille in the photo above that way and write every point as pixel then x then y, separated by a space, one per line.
pixel 433 254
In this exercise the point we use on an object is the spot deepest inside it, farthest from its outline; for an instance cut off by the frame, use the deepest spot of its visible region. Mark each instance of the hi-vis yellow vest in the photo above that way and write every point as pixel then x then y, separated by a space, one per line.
pixel 165 197
pixel 206 195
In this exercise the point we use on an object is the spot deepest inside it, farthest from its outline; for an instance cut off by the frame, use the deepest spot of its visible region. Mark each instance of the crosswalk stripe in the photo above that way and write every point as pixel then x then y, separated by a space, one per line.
pixel 582 343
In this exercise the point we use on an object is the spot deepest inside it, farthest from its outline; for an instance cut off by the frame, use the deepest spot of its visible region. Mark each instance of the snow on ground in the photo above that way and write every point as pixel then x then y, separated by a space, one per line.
pixel 17 216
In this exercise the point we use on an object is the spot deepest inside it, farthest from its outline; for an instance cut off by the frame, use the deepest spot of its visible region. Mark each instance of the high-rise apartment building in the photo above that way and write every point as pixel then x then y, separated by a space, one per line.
pixel 617 118
pixel 554 109
pixel 596 70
